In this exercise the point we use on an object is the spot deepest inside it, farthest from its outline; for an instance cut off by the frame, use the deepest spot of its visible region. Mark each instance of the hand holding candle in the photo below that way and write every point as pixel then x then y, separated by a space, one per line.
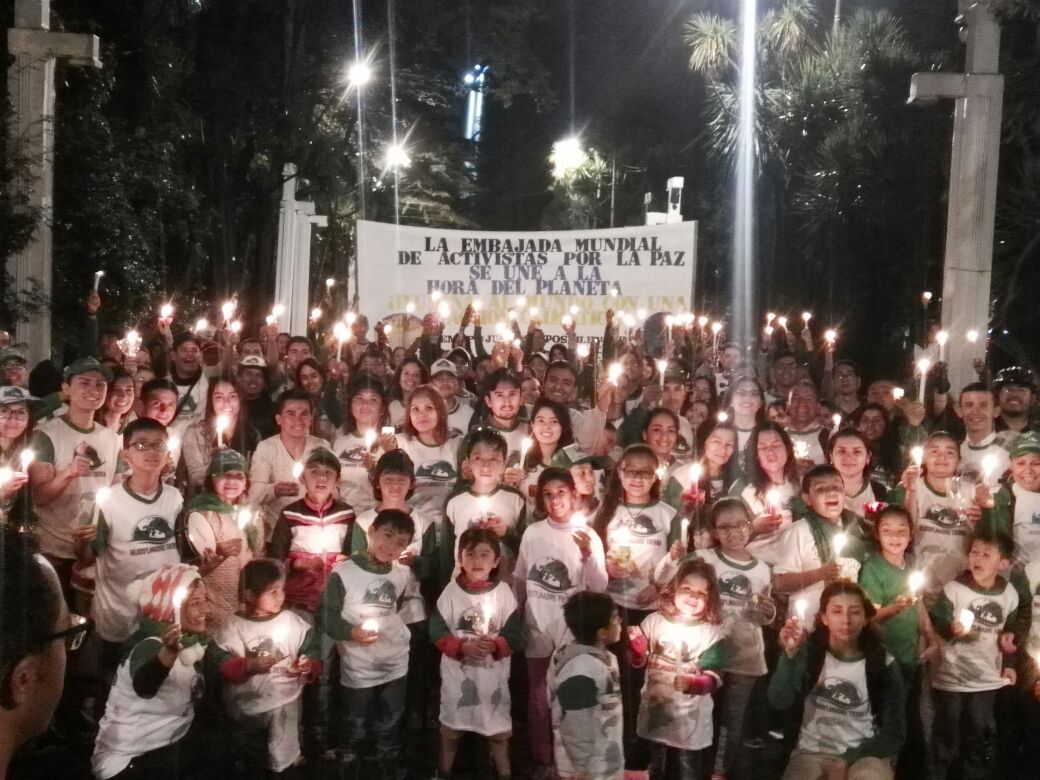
pixel 178 598
pixel 922 368
pixel 97 279
pixel 297 471
pixel 915 582
pixel 941 338
pixel 223 422
pixel 967 619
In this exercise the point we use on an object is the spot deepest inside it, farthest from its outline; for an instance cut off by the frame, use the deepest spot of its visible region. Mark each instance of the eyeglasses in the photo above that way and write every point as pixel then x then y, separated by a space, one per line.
pixel 154 446
pixel 17 414
pixel 733 529
pixel 631 474
pixel 73 635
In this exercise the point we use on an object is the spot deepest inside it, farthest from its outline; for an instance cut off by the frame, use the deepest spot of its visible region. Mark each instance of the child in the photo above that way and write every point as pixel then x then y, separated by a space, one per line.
pixel 477 628
pixel 585 691
pixel 807 557
pixel 133 536
pixel 487 503
pixel 1017 503
pixel 365 415
pixel 853 718
pixel 636 528
pixel 977 656
pixel 557 558
pixel 312 535
pixel 941 528
pixel 903 622
pixel 586 484
pixel 223 532
pixel 744 585
pixel 682 647
pixel 359 610
pixel 161 677
pixel 264 630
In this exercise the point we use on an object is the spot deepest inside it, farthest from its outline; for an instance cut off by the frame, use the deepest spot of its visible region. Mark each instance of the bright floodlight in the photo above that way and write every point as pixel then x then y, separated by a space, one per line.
pixel 396 157
pixel 567 156
pixel 359 73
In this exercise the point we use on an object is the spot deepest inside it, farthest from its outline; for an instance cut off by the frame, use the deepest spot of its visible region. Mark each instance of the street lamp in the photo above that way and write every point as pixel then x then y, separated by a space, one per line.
pixel 396 157
pixel 359 73
pixel 567 156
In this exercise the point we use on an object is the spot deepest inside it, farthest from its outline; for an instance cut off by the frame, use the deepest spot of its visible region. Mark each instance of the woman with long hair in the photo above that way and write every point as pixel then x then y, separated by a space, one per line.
pixel 408 376
pixel 201 441
pixel 313 377
pixel 118 409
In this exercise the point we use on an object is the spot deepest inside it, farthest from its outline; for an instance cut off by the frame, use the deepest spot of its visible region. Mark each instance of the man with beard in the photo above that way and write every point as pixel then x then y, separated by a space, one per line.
pixel 1016 395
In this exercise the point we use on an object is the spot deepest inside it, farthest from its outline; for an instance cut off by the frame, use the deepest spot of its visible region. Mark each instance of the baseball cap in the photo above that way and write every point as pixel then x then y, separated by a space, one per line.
pixel 12 353
pixel 226 460
pixel 9 394
pixel 443 366
pixel 252 361
pixel 85 366
pixel 1026 444
pixel 1012 375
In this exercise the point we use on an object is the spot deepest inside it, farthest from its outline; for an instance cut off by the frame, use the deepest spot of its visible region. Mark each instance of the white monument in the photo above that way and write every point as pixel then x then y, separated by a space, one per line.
pixel 978 95
pixel 30 86
pixel 293 269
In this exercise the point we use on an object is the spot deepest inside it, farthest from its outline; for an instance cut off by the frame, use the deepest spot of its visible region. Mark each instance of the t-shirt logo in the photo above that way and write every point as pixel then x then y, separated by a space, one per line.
pixel 475 621
pixel 260 647
pixel 550 574
pixel 943 516
pixel 85 450
pixel 188 404
pixel 681 445
pixel 987 612
pixel 381 593
pixel 440 471
pixel 352 455
pixel 641 525
pixel 198 688
pixel 839 692
pixel 735 585
pixel 153 530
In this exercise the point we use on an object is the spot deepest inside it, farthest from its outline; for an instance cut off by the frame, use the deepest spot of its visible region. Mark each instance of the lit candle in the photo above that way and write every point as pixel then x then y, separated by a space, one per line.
pixel 922 367
pixel 722 417
pixel 926 297
pixel 615 291
pixel 702 321
pixel 614 373
pixel 770 317
pixel 716 329
pixel 166 311
pixel 228 310
pixel 898 393
pixel 836 419
pixel 436 295
pixel 236 326
pixel 387 430
pixel 173 445
pixel 201 324
pixel 511 315
pixel 222 424
pixel 684 532
pixel 838 544
pixel 972 335
pixel 270 319
pixel 330 283
pixel 387 328
pixel 27 456
pixel 966 618
pixel 915 582
pixel 782 322
pixel 478 304
pixel 773 500
pixel 533 312
pixel 297 471
pixel 97 279
pixel 371 625
pixel 99 498
pixel 941 338
pixel 483 505
pixel 444 310
pixel 583 351
pixel 178 598
pixel 768 330
pixel 574 310
pixel 277 310
pixel 660 472
pixel 662 366
pixel 342 333
pixel 806 316
pixel 801 450
pixel 696 470
pixel 830 336
pixel 567 321
pixel 350 318
pixel 525 447
pixel 370 438
pixel 801 608
pixel 641 314
pixel 521 301
pixel 316 313
pixel 243 518
pixel 989 465
pixel 579 519
pixel 917 453
pixel 410 307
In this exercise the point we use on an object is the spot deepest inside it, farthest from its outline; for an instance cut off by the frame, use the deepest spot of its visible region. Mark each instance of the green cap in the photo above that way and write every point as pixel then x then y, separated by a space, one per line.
pixel 85 366
pixel 323 456
pixel 11 353
pixel 225 461
pixel 1026 444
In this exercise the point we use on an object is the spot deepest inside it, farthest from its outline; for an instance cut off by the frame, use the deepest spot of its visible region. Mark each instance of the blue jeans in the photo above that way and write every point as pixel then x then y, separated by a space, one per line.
pixel 375 712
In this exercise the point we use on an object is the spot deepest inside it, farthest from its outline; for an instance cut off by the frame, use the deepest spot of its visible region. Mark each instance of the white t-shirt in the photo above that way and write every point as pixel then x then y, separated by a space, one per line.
pixel 272 463
pixel 810 441
pixel 940 537
pixel 458 420
pixel 548 571
pixel 1026 525
pixel 974 663
pixel 355 487
pixel 637 539
pixel 993 445
pixel 468 510
pixel 739 584
pixel 191 402
pixel 138 540
pixel 475 694
pixel 1032 575
pixel 667 716
pixel 765 546
pixel 56 441
pixel 837 710
pixel 436 471
pixel 413 606
pixel 797 552
pixel 857 504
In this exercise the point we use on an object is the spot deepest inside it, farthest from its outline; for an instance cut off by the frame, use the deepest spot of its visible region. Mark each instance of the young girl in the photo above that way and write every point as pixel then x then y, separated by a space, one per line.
pixel 312 376
pixel 682 647
pixel 365 417
pixel 223 400
pixel 635 526
pixel 902 620
pixel 223 532
pixel 477 628
pixel 424 438
pixel 770 488
pixel 745 401
pixel 852 690
pixel 660 433
pixel 557 558
pixel 271 701
pixel 551 440
pixel 119 402
pixel 849 452
pixel 717 465
pixel 941 527
pixel 409 375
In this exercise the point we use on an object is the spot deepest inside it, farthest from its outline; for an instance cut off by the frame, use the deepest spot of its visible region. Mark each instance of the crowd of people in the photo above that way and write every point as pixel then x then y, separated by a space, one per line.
pixel 289 556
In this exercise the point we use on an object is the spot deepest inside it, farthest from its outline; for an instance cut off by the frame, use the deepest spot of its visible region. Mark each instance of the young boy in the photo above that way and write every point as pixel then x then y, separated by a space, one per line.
pixel 359 609
pixel 313 534
pixel 806 555
pixel 74 459
pixel 133 535
pixel 487 503
pixel 978 409
pixel 903 621
pixel 1016 506
pixel 585 692
pixel 980 625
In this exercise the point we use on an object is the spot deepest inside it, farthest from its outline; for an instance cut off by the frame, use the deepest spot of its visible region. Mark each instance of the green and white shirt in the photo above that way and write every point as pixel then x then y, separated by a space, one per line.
pixel 637 539
pixel 837 715
pixel 739 584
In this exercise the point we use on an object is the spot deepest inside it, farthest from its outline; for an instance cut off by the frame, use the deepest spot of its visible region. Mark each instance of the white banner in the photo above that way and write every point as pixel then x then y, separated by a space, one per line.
pixel 632 269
